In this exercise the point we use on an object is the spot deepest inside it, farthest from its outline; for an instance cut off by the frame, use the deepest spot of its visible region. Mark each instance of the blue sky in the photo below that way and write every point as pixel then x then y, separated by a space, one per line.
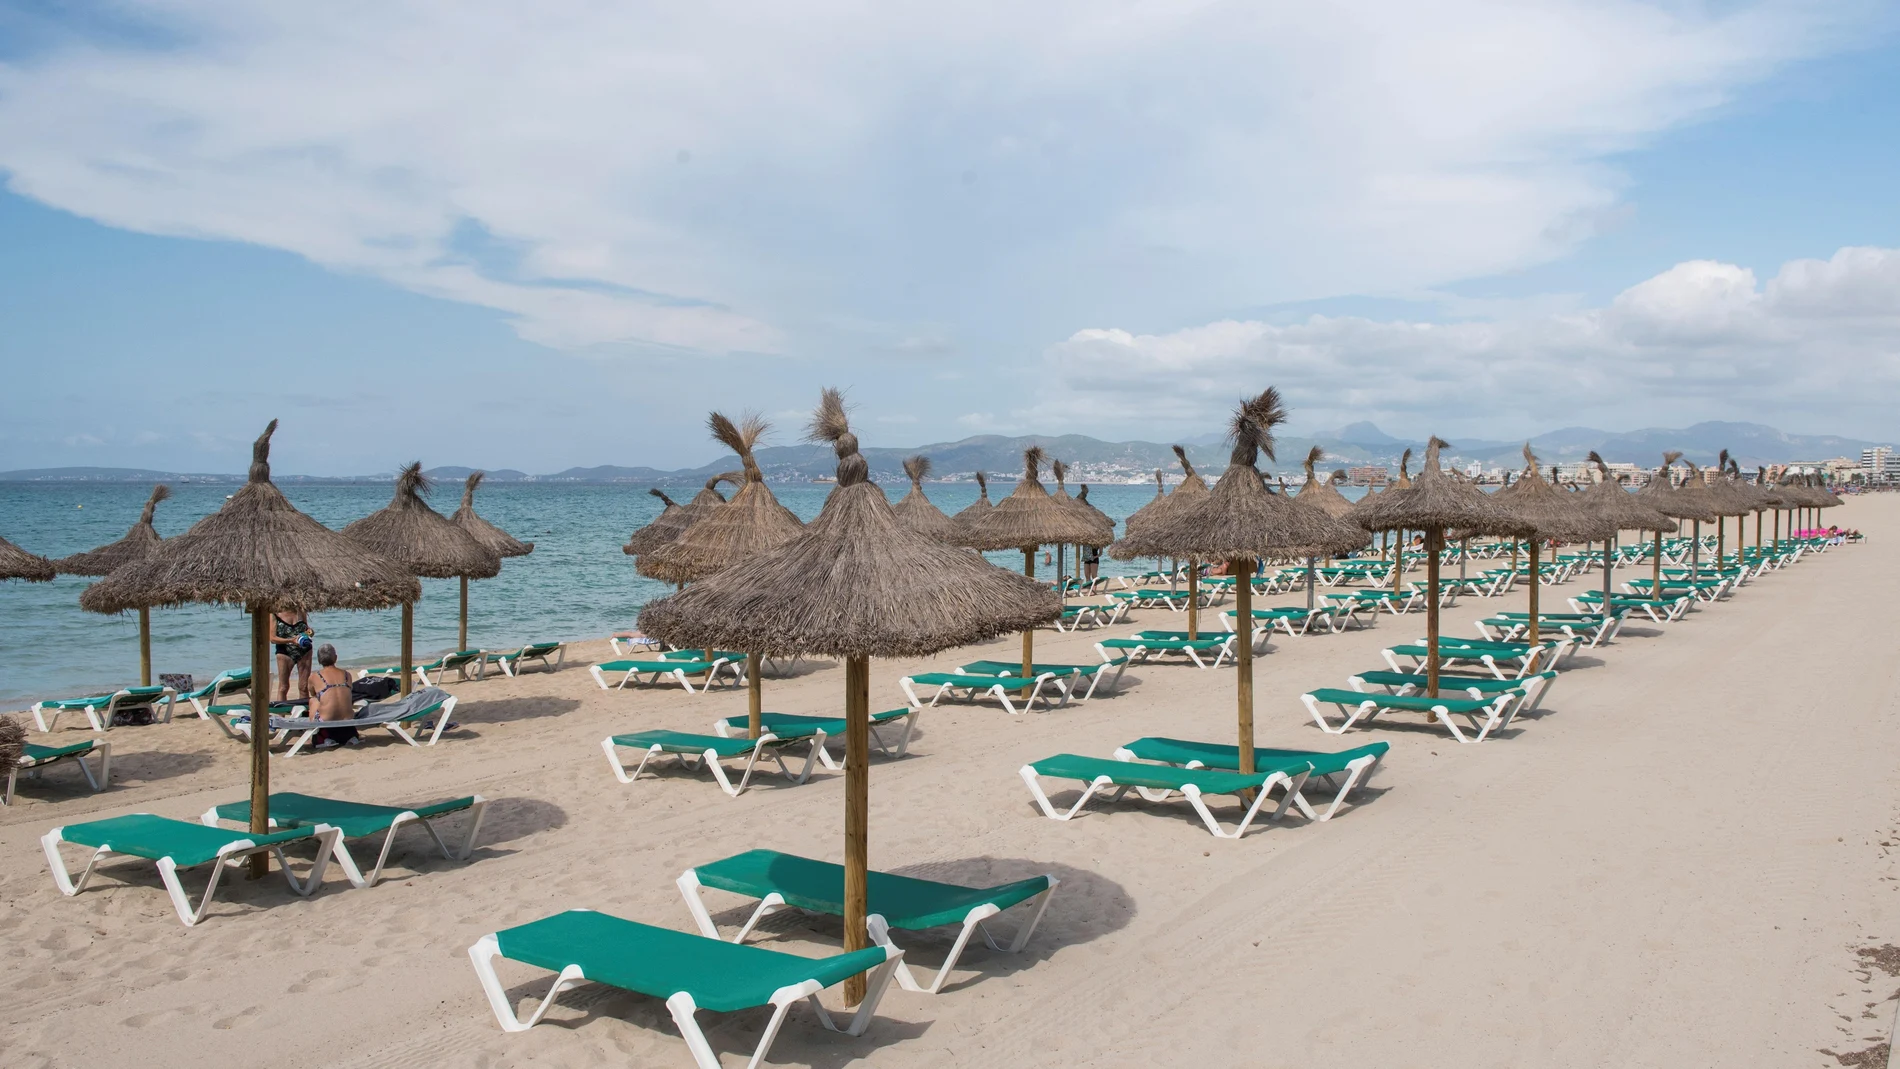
pixel 536 242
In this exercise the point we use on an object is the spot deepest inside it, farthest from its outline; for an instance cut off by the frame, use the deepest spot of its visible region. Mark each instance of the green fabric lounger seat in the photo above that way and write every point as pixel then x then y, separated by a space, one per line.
pixel 399 716
pixel 180 844
pixel 1153 645
pixel 1156 782
pixel 460 662
pixel 1531 688
pixel 1069 674
pixel 708 751
pixel 1502 663
pixel 1485 715
pixel 899 902
pixel 356 820
pixel 34 757
pixel 798 726
pixel 691 972
pixel 1356 765
pixel 1659 610
pixel 977 687
pixel 1588 628
pixel 99 709
pixel 548 654
pixel 223 685
pixel 659 669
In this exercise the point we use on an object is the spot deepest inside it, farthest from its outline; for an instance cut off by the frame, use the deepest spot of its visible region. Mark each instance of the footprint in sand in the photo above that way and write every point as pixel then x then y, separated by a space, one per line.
pixel 321 981
pixel 152 1017
pixel 242 1017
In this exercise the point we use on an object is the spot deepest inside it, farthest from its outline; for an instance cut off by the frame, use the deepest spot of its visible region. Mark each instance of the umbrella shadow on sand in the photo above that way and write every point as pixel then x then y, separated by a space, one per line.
pixel 505 710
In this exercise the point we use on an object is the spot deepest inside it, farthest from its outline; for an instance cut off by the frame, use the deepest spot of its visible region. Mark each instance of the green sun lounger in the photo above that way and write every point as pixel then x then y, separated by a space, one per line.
pixel 1156 782
pixel 1356 765
pixel 796 725
pixel 1152 645
pixel 99 709
pixel 1485 715
pixel 899 902
pixel 709 750
pixel 398 716
pixel 1069 673
pixel 662 668
pixel 691 972
pixel 1531 687
pixel 549 654
pixel 974 687
pixel 34 758
pixel 355 820
pixel 223 685
pixel 461 662
pixel 180 844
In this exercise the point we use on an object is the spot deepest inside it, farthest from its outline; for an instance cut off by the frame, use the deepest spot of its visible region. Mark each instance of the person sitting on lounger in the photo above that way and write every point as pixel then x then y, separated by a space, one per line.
pixel 290 641
pixel 333 701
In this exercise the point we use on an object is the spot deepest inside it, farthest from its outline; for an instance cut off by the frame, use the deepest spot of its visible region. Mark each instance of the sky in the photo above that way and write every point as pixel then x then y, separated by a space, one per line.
pixel 549 235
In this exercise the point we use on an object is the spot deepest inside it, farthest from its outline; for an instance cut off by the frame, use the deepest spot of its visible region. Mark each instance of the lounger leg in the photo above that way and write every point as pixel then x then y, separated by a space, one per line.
pixel 1312 706
pixel 811 757
pixel 61 877
pixel 688 883
pixel 711 760
pixel 483 955
pixel 1193 794
pixel 1034 782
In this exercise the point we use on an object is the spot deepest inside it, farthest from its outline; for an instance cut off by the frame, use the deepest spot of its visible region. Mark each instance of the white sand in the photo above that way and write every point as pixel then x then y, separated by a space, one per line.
pixel 1672 865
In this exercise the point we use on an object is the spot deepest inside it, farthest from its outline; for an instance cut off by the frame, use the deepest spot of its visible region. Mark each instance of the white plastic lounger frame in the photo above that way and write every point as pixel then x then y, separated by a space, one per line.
pixel 997 691
pixel 96 780
pixel 657 673
pixel 1189 791
pixel 627 643
pixel 878 743
pixel 1357 771
pixel 1138 653
pixel 1495 716
pixel 209 818
pixel 681 1005
pixel 46 715
pixel 325 836
pixel 395 727
pixel 879 930
pixel 510 662
pixel 768 744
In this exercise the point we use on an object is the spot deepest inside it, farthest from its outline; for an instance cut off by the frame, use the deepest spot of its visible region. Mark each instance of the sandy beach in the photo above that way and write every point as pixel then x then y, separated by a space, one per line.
pixel 1673 862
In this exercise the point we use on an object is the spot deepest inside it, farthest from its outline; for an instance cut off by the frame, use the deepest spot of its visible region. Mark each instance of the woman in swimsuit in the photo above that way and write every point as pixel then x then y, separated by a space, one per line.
pixel 290 640
pixel 332 701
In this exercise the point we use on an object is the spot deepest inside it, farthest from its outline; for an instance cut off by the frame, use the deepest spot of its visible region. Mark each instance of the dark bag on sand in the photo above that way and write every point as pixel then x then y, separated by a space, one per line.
pixel 374 688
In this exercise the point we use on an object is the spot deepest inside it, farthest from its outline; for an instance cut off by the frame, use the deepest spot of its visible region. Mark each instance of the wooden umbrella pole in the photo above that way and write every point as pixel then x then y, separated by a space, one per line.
pixel 1398 561
pixel 857 814
pixel 1029 634
pixel 1432 537
pixel 1655 564
pixel 1243 659
pixel 1695 552
pixel 1309 584
pixel 260 733
pixel 1464 553
pixel 461 629
pixel 1758 531
pixel 1194 599
pixel 408 643
pixel 1534 590
pixel 145 646
pixel 754 702
pixel 1609 556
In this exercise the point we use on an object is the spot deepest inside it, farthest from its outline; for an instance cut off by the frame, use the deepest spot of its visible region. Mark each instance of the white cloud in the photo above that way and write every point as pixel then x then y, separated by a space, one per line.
pixel 752 176
pixel 1819 344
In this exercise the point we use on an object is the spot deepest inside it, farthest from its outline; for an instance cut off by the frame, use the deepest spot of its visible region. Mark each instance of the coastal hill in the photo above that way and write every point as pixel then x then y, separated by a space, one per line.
pixel 1095 460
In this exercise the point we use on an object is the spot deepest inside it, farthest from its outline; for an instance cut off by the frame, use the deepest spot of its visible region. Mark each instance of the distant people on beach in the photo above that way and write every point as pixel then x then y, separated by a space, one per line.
pixel 291 641
pixel 333 701
pixel 1091 562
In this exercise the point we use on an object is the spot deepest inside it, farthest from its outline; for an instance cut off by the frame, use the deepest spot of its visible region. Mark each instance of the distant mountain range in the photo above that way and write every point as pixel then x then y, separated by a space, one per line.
pixel 1094 460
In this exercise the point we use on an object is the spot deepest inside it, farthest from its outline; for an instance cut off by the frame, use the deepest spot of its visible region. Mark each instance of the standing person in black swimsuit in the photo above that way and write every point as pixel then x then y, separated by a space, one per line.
pixel 290 640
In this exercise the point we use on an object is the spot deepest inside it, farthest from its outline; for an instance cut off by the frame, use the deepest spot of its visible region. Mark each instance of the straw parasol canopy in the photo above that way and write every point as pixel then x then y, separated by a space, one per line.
pixel 1082 498
pixel 137 544
pixel 17 563
pixel 970 515
pixel 1548 512
pixel 701 506
pixel 1153 507
pixel 257 551
pixel 856 584
pixel 1104 532
pixel 1136 543
pixel 1620 508
pixel 1665 498
pixel 12 745
pixel 917 512
pixel 1323 494
pixel 751 523
pixel 1029 517
pixel 496 540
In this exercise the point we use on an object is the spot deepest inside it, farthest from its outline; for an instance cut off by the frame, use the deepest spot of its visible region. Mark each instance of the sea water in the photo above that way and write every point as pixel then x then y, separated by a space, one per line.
pixel 577 584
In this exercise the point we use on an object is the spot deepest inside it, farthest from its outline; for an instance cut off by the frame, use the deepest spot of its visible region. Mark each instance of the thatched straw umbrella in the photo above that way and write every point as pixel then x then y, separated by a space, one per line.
pixel 1662 496
pixel 497 541
pixel 12 745
pixel 1549 513
pixel 17 563
pixel 1152 508
pixel 1028 518
pixel 650 562
pixel 257 551
pixel 1323 494
pixel 1241 520
pixel 1694 494
pixel 1433 503
pixel 969 515
pixel 918 512
pixel 752 523
pixel 1135 542
pixel 854 584
pixel 1731 499
pixel 138 543
pixel 1623 511
pixel 659 530
pixel 425 542
pixel 1391 537
pixel 1341 534
pixel 1094 517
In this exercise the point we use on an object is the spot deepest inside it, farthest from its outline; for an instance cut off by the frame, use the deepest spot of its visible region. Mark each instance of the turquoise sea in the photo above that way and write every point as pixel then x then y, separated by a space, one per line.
pixel 575 585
